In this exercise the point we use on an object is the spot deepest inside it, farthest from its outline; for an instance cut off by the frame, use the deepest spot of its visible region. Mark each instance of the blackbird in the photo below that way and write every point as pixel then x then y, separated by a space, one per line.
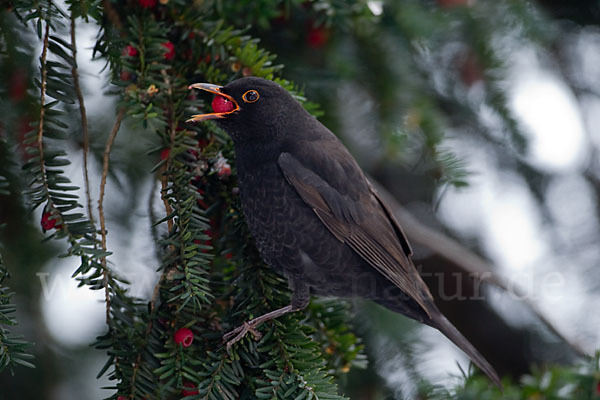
pixel 314 215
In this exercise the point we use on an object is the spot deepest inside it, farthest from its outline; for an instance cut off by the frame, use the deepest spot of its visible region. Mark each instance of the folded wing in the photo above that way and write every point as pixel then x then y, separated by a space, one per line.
pixel 328 179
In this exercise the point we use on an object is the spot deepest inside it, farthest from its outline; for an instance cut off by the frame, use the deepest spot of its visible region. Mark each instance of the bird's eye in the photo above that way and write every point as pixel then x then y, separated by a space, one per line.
pixel 250 96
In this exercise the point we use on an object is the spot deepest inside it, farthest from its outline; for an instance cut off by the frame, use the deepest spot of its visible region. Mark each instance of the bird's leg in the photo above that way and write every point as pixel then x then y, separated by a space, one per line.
pixel 300 299
pixel 238 333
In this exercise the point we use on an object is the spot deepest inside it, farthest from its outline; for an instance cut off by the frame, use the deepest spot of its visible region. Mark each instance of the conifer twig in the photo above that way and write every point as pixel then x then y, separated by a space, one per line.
pixel 109 144
pixel 84 122
pixel 40 133
pixel 163 180
pixel 164 187
pixel 163 195
pixel 169 211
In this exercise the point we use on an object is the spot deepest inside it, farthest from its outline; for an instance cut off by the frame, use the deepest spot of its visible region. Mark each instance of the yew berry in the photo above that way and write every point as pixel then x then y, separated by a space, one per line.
pixel 191 391
pixel 130 51
pixel 184 336
pixel 170 53
pixel 50 222
pixel 147 3
pixel 164 154
pixel 221 104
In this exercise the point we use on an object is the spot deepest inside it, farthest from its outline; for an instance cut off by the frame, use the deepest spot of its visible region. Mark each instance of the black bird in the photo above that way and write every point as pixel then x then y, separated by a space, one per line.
pixel 314 214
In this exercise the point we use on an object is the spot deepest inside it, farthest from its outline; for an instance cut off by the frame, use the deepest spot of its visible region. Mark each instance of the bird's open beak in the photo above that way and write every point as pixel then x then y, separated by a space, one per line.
pixel 215 89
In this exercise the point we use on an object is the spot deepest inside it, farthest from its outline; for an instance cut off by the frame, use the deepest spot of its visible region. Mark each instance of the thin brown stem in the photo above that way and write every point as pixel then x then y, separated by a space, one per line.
pixel 151 214
pixel 40 132
pixel 107 149
pixel 164 187
pixel 164 180
pixel 164 190
pixel 84 122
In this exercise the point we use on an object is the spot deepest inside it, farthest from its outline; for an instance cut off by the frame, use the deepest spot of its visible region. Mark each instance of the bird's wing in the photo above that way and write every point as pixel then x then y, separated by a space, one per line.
pixel 330 181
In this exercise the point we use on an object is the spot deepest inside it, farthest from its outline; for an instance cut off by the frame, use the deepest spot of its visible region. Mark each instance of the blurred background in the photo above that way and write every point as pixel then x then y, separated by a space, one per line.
pixel 481 118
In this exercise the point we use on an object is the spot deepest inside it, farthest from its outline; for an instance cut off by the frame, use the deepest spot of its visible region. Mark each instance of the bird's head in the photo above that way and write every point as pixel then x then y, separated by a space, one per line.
pixel 251 109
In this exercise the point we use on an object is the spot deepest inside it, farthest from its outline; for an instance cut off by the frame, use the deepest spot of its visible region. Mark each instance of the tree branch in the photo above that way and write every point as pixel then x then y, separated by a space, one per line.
pixel 109 144
pixel 84 122
pixel 40 132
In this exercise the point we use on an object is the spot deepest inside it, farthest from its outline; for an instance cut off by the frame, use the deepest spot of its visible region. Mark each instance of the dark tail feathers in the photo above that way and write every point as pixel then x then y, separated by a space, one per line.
pixel 443 325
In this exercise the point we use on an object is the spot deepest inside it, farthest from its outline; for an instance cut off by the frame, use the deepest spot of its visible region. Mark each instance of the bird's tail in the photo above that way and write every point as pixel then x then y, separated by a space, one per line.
pixel 443 325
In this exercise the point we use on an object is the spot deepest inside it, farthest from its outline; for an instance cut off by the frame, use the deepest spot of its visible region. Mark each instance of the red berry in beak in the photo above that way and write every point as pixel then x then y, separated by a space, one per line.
pixel 221 105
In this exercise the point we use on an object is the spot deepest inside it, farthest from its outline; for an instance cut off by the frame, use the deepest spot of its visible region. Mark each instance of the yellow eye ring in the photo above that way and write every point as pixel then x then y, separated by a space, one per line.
pixel 250 96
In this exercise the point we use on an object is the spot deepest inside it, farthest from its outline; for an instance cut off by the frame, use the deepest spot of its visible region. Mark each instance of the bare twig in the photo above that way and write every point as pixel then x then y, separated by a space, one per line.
pixel 40 132
pixel 163 180
pixel 463 258
pixel 165 187
pixel 84 122
pixel 151 214
pixel 107 149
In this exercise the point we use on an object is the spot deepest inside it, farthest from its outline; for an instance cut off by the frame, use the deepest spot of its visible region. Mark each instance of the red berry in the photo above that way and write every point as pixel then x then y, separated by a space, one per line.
pixel 122 398
pixel 170 53
pixel 228 256
pixel 221 104
pixel 191 392
pixel 47 223
pixel 50 222
pixel 317 37
pixel 147 3
pixel 164 154
pixel 184 336
pixel 130 51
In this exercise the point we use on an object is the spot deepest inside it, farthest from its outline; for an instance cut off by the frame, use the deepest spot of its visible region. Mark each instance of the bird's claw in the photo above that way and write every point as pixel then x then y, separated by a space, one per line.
pixel 239 333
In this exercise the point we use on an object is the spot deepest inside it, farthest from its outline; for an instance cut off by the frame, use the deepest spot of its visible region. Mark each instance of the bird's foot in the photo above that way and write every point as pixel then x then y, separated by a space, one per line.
pixel 250 326
pixel 240 332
